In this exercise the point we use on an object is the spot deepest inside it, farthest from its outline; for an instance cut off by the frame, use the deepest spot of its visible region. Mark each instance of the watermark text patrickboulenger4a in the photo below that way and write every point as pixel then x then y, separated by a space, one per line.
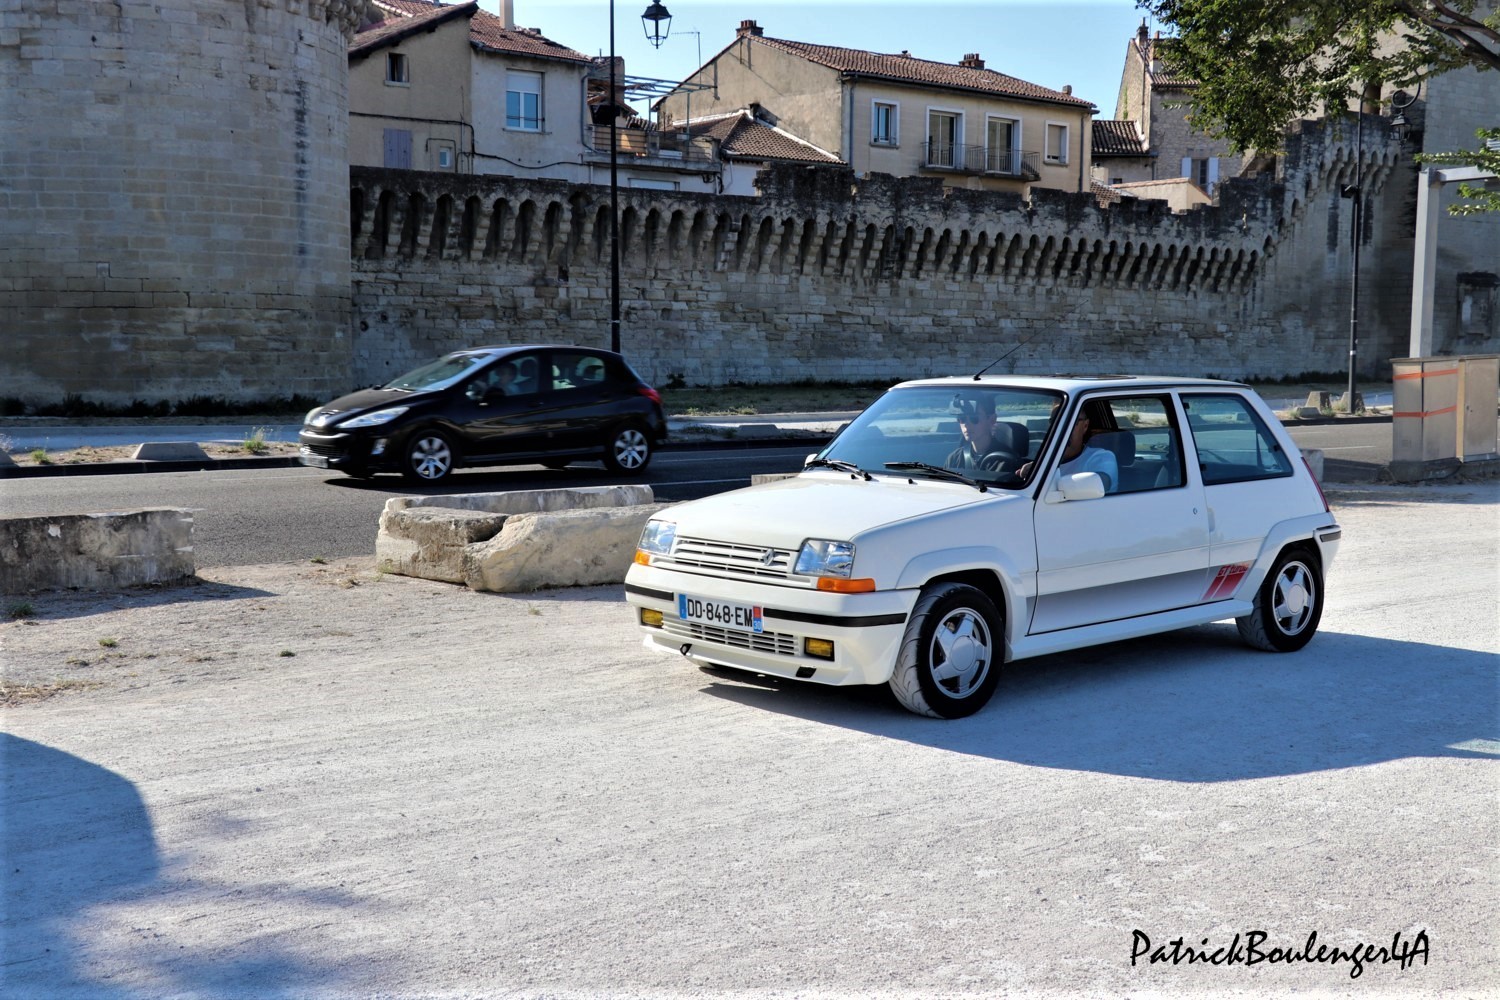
pixel 1250 949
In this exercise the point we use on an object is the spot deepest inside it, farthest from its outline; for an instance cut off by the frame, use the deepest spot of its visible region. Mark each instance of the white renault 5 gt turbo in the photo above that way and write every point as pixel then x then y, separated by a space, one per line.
pixel 961 523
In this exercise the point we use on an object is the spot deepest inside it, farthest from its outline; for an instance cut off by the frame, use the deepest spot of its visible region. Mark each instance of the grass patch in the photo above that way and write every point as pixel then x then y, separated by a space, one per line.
pixel 40 456
pixel 20 609
pixel 109 643
pixel 17 694
pixel 255 441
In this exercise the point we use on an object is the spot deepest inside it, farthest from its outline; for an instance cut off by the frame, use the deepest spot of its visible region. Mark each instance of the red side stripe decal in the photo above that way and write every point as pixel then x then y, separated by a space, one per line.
pixel 1225 580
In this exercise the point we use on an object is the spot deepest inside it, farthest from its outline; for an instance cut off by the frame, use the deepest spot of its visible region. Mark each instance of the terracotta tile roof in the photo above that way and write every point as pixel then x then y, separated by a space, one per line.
pixel 1160 49
pixel 401 25
pixel 909 69
pixel 743 136
pixel 1104 194
pixel 1117 137
pixel 486 31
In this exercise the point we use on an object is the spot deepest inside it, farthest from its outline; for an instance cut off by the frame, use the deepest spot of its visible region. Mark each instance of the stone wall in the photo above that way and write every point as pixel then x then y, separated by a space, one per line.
pixel 173 198
pixel 829 277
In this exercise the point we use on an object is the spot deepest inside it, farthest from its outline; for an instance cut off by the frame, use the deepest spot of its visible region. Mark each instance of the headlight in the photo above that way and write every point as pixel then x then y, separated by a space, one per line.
pixel 310 415
pixel 820 557
pixel 375 419
pixel 657 538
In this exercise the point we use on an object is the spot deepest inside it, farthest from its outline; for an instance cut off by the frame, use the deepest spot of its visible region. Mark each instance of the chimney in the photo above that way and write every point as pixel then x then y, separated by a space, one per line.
pixel 508 14
pixel 972 61
pixel 749 27
pixel 1068 89
pixel 1142 35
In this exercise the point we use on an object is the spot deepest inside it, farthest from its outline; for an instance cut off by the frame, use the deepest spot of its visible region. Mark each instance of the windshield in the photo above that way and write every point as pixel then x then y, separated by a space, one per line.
pixel 438 374
pixel 988 434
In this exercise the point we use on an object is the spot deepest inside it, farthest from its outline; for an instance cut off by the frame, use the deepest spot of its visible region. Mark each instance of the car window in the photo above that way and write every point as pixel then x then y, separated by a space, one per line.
pixel 1232 441
pixel 572 370
pixel 1141 432
pixel 439 374
pixel 924 425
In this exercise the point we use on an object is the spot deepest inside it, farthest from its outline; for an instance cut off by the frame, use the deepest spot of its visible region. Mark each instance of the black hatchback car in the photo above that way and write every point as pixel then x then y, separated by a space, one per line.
pixel 491 406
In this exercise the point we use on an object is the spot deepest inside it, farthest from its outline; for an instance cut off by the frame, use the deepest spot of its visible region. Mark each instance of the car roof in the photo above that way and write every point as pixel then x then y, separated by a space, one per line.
pixel 1070 383
pixel 498 349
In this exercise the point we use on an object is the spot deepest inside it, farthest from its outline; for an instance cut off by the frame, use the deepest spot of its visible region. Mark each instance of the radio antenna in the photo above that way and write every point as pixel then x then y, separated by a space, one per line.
pixel 1006 354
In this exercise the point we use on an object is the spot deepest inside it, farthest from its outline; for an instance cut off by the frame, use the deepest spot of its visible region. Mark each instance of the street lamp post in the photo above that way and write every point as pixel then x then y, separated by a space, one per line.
pixel 652 22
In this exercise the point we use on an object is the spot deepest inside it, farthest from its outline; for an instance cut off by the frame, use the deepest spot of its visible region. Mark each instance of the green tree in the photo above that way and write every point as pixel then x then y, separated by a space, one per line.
pixel 1487 158
pixel 1260 64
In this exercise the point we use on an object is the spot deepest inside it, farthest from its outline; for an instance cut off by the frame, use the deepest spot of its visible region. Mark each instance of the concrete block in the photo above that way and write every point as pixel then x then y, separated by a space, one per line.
pixel 1314 457
pixel 170 451
pixel 6 461
pixel 571 548
pixel 95 551
pixel 427 536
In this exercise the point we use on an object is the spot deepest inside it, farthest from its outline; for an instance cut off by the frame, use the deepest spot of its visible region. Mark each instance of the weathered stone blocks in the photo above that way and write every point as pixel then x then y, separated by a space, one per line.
pixel 95 551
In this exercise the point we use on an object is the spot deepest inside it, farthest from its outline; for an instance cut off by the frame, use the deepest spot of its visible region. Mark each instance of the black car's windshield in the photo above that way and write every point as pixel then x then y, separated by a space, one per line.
pixel 438 374
pixel 988 434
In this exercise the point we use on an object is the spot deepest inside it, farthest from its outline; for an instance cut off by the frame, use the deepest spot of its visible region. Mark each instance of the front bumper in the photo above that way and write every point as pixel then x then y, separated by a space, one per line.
pixel 865 629
pixel 337 450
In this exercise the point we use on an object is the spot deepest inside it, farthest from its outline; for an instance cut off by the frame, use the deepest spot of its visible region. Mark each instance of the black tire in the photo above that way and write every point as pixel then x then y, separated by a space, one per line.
pixel 629 449
pixel 429 457
pixel 950 656
pixel 1288 605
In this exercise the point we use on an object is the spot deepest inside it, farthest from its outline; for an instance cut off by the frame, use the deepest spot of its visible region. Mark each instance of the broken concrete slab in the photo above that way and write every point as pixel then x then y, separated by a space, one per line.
pixel 571 548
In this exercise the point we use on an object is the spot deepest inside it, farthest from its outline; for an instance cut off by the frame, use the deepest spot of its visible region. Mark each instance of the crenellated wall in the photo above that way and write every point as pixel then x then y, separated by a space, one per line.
pixel 829 277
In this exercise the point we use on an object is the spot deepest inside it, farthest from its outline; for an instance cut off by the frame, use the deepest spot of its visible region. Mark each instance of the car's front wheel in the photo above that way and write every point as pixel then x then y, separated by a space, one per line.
pixel 629 450
pixel 1288 605
pixel 950 656
pixel 429 457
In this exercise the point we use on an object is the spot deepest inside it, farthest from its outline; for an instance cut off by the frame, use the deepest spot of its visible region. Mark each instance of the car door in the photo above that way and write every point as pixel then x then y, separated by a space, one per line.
pixel 586 396
pixel 1143 546
pixel 498 410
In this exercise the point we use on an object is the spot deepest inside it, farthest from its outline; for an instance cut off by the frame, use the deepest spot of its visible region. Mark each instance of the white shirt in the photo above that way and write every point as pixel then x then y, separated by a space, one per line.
pixel 1098 460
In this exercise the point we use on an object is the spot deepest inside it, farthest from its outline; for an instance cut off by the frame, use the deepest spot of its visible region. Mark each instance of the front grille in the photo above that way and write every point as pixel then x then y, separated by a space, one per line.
pixel 776 643
pixel 326 450
pixel 741 560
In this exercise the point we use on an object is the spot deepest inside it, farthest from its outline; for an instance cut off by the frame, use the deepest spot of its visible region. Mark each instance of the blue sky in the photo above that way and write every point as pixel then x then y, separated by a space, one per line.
pixel 1044 42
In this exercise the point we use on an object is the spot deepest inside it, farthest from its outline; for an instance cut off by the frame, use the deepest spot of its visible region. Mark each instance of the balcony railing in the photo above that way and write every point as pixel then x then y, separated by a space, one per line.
pixel 662 145
pixel 993 161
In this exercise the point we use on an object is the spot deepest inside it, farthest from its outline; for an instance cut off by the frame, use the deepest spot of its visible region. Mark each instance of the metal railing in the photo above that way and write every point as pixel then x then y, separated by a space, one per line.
pixel 995 161
pixel 656 143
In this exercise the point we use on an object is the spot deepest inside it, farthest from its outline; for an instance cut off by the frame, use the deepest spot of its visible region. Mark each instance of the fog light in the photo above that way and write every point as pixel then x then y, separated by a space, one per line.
pixel 821 648
pixel 650 618
pixel 378 448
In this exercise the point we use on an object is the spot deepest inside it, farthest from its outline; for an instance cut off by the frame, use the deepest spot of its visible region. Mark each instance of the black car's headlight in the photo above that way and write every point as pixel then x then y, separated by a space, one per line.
pixel 374 419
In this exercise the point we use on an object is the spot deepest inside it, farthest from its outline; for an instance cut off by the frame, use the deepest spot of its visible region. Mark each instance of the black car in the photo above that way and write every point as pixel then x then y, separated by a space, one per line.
pixel 491 406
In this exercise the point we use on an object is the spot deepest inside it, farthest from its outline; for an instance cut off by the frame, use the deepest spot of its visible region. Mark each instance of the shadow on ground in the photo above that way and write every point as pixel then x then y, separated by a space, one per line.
pixel 57 605
pixel 76 837
pixel 1194 705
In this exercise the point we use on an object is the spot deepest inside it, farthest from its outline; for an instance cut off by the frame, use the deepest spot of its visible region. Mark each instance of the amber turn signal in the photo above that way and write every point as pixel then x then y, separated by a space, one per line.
pixel 821 648
pixel 642 558
pixel 861 586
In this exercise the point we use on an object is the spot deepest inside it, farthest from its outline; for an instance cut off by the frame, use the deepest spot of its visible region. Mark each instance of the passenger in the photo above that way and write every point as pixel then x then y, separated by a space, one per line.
pixel 1080 456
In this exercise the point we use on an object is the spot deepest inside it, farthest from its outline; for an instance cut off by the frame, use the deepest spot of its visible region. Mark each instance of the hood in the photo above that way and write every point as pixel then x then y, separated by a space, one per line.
pixel 370 399
pixel 785 513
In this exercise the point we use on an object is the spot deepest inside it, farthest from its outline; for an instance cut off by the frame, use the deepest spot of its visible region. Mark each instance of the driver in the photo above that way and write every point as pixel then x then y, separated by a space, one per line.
pixel 980 449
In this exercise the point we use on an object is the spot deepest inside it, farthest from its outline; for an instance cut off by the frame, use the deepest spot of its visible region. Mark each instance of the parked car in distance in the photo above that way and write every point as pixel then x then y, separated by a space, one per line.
pixel 491 406
pixel 961 523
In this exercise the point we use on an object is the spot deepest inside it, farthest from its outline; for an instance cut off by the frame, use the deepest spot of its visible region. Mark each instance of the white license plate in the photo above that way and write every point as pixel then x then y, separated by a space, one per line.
pixel 316 461
pixel 704 611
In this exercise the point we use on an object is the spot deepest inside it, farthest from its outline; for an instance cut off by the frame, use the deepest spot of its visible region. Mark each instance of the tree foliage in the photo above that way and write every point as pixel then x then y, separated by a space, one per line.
pixel 1487 158
pixel 1261 64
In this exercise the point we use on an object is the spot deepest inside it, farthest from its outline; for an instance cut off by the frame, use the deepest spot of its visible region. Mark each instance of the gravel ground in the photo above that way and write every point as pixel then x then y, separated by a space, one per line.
pixel 314 780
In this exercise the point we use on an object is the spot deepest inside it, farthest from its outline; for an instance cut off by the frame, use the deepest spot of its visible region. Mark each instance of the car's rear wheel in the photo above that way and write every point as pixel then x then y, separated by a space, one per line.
pixel 629 450
pixel 950 656
pixel 1288 605
pixel 429 457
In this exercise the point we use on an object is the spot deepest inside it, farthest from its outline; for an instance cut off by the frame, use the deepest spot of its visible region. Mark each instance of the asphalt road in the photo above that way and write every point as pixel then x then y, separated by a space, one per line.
pixel 446 793
pixel 249 516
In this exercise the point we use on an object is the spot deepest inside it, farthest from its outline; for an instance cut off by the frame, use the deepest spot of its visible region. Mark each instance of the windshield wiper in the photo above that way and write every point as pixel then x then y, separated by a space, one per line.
pixel 939 471
pixel 839 464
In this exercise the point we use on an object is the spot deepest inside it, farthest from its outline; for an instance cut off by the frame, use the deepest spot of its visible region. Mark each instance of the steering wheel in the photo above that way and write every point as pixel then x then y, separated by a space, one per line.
pixel 996 461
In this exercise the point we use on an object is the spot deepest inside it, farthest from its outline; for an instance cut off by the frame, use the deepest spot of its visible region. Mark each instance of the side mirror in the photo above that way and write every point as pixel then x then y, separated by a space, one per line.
pixel 1078 486
pixel 808 459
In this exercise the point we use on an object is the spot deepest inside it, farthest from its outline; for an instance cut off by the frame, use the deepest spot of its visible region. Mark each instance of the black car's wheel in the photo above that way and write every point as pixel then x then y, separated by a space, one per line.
pixel 629 450
pixel 950 656
pixel 1288 605
pixel 429 457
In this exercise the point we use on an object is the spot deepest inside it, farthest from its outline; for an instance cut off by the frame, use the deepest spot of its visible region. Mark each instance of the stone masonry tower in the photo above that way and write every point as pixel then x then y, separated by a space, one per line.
pixel 174 198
